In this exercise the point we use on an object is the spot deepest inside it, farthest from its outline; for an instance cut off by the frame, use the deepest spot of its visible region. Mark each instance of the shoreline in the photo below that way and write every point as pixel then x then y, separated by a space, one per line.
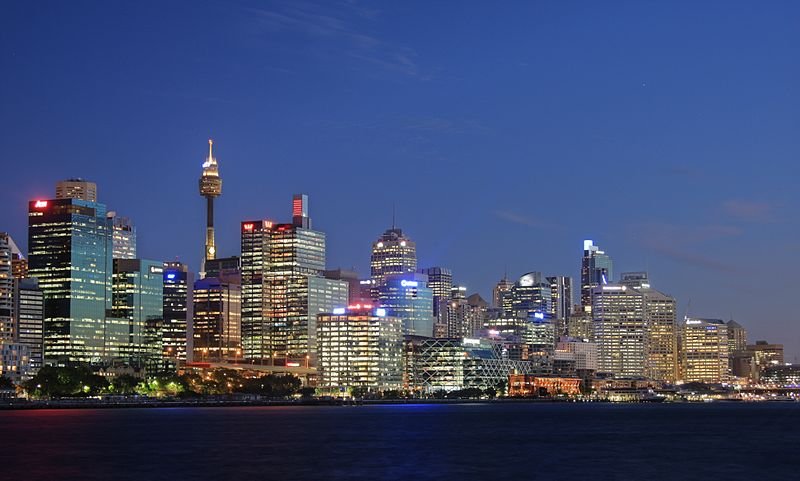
pixel 155 403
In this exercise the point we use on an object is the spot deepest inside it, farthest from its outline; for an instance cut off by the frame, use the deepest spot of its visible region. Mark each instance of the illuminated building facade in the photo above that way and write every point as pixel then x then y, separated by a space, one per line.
pixel 76 189
pixel 500 290
pixel 123 238
pixel 596 270
pixel 619 326
pixel 579 325
pixel 283 288
pixel 69 242
pixel 29 319
pixel 524 385
pixel 704 349
pixel 575 358
pixel 178 311
pixel 407 296
pixel 662 328
pixel 450 364
pixel 138 298
pixel 765 355
pixel 360 348
pixel 392 254
pixel 7 248
pixel 560 297
pixel 216 321
pixel 355 295
pixel 210 188
pixel 785 375
pixel 737 337
pixel 529 296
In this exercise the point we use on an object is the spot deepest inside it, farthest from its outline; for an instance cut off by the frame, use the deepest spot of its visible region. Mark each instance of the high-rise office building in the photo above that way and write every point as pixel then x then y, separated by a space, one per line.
pixel 123 237
pixel 7 249
pixel 360 348
pixel 596 270
pixel 21 317
pixel 210 188
pixel 620 330
pixel 737 337
pixel 704 350
pixel 407 296
pixel 500 289
pixel 178 311
pixel 354 292
pixel 529 296
pixel 138 298
pixel 662 328
pixel 440 281
pixel 19 266
pixel 76 189
pixel 283 288
pixel 393 253
pixel 69 242
pixel 226 269
pixel 560 302
pixel 29 319
pixel 216 321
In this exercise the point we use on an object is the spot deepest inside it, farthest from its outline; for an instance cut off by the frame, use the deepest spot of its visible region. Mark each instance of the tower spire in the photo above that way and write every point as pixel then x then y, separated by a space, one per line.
pixel 210 146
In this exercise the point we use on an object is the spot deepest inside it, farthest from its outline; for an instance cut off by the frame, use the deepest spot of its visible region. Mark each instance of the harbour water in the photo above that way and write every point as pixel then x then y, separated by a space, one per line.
pixel 470 441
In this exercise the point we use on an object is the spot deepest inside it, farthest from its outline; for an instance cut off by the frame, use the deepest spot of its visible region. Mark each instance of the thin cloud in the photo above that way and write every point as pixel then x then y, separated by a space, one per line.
pixel 748 211
pixel 515 218
pixel 337 24
pixel 681 242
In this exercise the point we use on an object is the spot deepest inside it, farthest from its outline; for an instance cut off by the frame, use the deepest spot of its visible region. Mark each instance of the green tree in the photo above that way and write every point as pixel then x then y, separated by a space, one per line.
pixel 124 384
pixel 53 381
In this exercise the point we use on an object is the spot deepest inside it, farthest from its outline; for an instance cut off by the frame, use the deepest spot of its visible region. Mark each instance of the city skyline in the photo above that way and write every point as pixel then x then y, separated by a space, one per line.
pixel 685 195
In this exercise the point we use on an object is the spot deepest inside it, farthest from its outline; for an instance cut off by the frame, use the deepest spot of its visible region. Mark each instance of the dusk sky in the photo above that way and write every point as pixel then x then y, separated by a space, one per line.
pixel 504 132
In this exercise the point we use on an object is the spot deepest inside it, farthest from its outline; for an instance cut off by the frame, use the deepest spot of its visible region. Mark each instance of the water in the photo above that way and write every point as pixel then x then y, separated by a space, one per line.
pixel 484 441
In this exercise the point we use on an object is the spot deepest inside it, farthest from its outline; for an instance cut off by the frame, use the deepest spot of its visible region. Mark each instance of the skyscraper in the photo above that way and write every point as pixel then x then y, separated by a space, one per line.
pixel 29 319
pixel 661 341
pixel 283 288
pixel 69 242
pixel 210 187
pixel 123 237
pixel 704 349
pixel 560 296
pixel 530 295
pixel 216 321
pixel 138 297
pixel 393 253
pixel 440 281
pixel 7 248
pixel 499 291
pixel 407 296
pixel 76 189
pixel 360 348
pixel 619 330
pixel 178 310
pixel 596 269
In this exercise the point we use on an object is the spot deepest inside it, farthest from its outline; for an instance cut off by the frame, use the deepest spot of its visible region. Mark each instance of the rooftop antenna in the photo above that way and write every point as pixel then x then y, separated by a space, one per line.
pixel 393 214
pixel 688 308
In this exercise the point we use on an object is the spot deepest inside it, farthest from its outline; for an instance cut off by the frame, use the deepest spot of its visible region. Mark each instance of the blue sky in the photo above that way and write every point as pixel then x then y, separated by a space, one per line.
pixel 504 134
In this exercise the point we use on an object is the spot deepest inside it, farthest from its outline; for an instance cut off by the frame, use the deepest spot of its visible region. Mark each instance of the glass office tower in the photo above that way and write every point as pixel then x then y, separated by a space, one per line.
pixel 283 288
pixel 408 297
pixel 138 298
pixel 69 243
pixel 178 282
pixel 596 269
